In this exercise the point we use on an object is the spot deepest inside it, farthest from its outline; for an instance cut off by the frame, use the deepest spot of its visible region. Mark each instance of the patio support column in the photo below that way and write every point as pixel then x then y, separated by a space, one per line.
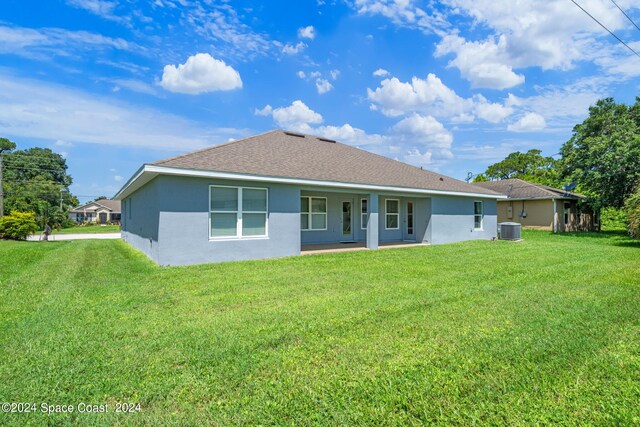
pixel 372 222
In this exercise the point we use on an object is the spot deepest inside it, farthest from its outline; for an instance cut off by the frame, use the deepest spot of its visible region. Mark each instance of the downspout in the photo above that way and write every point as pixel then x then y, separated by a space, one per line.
pixel 555 221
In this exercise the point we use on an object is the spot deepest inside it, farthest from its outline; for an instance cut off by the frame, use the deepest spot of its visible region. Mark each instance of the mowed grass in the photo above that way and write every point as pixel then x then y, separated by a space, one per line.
pixel 89 229
pixel 545 331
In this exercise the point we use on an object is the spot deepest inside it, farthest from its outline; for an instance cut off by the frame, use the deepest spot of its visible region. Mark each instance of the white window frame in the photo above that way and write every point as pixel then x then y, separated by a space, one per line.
pixel 364 216
pixel 239 213
pixel 567 213
pixel 325 213
pixel 387 213
pixel 481 215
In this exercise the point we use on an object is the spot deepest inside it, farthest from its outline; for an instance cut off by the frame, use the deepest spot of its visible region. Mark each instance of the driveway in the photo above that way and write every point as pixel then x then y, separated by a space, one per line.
pixel 77 236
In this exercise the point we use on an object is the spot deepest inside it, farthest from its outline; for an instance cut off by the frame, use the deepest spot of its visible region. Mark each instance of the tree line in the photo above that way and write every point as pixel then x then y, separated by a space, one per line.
pixel 602 157
pixel 35 180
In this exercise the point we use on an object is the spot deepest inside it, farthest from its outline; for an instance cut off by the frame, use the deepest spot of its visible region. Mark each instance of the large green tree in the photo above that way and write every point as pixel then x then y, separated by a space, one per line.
pixel 603 154
pixel 6 145
pixel 35 180
pixel 530 166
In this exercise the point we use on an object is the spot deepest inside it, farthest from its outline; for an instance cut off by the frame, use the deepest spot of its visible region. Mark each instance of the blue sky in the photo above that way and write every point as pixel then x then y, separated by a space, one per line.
pixel 452 86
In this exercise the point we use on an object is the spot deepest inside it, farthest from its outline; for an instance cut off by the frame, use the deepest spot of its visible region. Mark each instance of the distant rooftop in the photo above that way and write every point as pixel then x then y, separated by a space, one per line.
pixel 520 189
pixel 112 205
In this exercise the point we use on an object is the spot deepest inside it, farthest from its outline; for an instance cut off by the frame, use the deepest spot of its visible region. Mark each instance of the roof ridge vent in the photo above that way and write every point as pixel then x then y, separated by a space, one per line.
pixel 299 135
pixel 326 139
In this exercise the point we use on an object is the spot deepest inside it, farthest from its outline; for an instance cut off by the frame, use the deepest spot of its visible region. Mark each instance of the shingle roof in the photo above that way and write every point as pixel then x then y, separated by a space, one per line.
pixel 286 154
pixel 520 189
pixel 112 205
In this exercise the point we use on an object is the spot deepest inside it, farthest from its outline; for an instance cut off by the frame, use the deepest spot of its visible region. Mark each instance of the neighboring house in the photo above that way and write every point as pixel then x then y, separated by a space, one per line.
pixel 270 195
pixel 539 206
pixel 99 211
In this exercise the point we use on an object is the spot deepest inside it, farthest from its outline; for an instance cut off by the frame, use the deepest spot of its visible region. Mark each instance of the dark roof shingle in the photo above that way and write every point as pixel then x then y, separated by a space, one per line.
pixel 286 154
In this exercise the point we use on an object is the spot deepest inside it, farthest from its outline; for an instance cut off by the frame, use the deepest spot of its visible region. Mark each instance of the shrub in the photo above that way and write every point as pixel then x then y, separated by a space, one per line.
pixel 67 223
pixel 613 219
pixel 632 208
pixel 18 225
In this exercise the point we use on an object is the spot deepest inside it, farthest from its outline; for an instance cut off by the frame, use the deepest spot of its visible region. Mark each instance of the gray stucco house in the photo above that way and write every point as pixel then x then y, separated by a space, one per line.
pixel 271 194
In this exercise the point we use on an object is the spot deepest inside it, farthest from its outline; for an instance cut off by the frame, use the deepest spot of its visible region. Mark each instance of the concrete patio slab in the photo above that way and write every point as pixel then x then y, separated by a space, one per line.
pixel 322 248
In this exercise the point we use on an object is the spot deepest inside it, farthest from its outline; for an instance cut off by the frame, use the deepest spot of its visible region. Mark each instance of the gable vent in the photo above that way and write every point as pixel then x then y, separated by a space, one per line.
pixel 326 140
pixel 299 135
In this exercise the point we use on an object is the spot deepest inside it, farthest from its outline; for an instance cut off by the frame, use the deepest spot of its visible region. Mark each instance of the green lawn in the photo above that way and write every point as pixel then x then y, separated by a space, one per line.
pixel 545 331
pixel 89 229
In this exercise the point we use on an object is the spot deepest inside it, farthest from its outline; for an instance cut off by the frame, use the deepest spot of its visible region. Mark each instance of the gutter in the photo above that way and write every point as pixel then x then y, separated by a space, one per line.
pixel 165 170
pixel 546 198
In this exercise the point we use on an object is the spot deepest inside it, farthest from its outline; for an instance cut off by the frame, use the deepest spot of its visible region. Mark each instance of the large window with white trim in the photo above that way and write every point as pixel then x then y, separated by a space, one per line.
pixel 392 214
pixel 313 213
pixel 364 213
pixel 238 212
pixel 478 215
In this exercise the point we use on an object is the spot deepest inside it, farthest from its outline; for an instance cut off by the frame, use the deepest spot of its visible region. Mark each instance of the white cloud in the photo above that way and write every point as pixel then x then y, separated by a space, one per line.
pixel 101 8
pixel 396 98
pixel 433 97
pixel 553 34
pixel 484 64
pixel 490 111
pixel 36 109
pixel 405 13
pixel 98 7
pixel 620 64
pixel 118 178
pixel 220 24
pixel 297 116
pixel 135 86
pixel 323 86
pixel 61 143
pixel 528 123
pixel 427 132
pixel 380 72
pixel 563 106
pixel 201 73
pixel 290 49
pixel 516 35
pixel 307 32
pixel 48 42
pixel 265 111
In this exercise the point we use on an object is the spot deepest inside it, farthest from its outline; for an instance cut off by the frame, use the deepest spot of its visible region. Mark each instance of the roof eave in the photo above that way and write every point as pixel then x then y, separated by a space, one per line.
pixel 149 171
pixel 544 198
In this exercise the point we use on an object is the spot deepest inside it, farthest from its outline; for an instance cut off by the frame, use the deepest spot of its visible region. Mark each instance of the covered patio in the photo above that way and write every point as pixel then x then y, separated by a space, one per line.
pixel 346 220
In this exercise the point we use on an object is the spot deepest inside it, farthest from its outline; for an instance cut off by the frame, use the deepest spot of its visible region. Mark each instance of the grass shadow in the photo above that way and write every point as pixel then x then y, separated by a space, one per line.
pixel 617 234
pixel 629 244
pixel 612 237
